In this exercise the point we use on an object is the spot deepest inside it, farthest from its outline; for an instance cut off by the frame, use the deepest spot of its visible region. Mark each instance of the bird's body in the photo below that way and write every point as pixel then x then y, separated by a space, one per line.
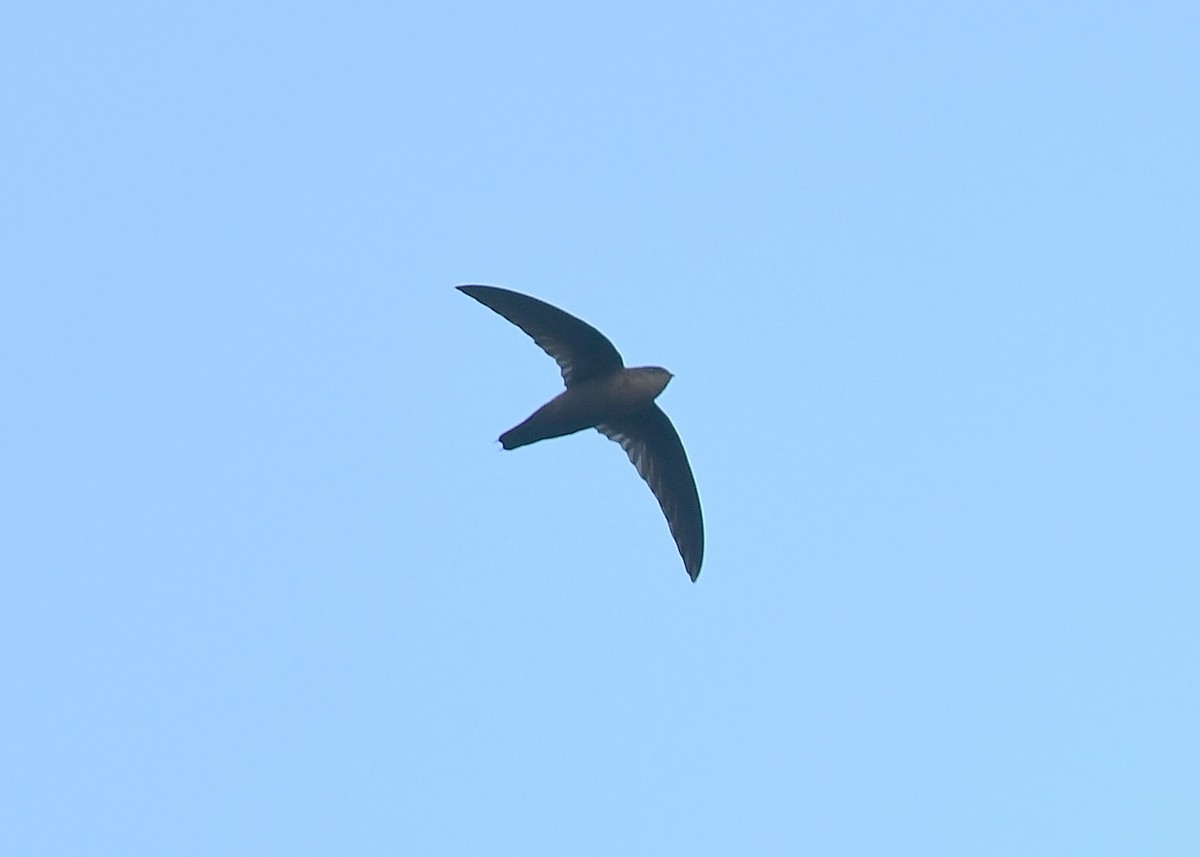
pixel 590 403
pixel 616 401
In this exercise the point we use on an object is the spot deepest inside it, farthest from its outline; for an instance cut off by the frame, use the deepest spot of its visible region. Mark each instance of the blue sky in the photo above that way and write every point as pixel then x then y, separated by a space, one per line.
pixel 927 276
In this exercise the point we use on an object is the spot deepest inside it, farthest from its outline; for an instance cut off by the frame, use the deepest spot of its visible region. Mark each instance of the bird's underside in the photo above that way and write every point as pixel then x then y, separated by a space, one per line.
pixel 588 404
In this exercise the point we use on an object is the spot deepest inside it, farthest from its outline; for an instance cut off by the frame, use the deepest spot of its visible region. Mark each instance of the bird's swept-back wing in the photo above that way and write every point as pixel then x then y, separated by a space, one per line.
pixel 582 352
pixel 655 449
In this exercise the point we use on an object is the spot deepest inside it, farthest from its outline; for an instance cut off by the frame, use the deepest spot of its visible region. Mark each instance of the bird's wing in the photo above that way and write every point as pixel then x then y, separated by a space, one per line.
pixel 582 352
pixel 655 449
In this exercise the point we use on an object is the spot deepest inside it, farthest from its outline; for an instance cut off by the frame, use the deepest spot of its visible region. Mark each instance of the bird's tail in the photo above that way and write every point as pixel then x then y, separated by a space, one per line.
pixel 546 422
pixel 520 435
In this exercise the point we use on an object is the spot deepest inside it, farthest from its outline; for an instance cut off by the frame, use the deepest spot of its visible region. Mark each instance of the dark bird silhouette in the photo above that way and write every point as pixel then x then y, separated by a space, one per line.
pixel 618 402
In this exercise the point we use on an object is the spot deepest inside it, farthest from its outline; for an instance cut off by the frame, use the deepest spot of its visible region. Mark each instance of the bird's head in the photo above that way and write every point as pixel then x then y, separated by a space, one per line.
pixel 653 378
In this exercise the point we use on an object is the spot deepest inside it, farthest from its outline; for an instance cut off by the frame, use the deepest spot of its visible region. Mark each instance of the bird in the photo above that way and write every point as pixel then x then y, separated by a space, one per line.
pixel 602 393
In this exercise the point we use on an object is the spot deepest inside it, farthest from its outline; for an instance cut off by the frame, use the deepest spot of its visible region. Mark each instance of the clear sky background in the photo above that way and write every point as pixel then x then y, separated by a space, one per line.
pixel 928 276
